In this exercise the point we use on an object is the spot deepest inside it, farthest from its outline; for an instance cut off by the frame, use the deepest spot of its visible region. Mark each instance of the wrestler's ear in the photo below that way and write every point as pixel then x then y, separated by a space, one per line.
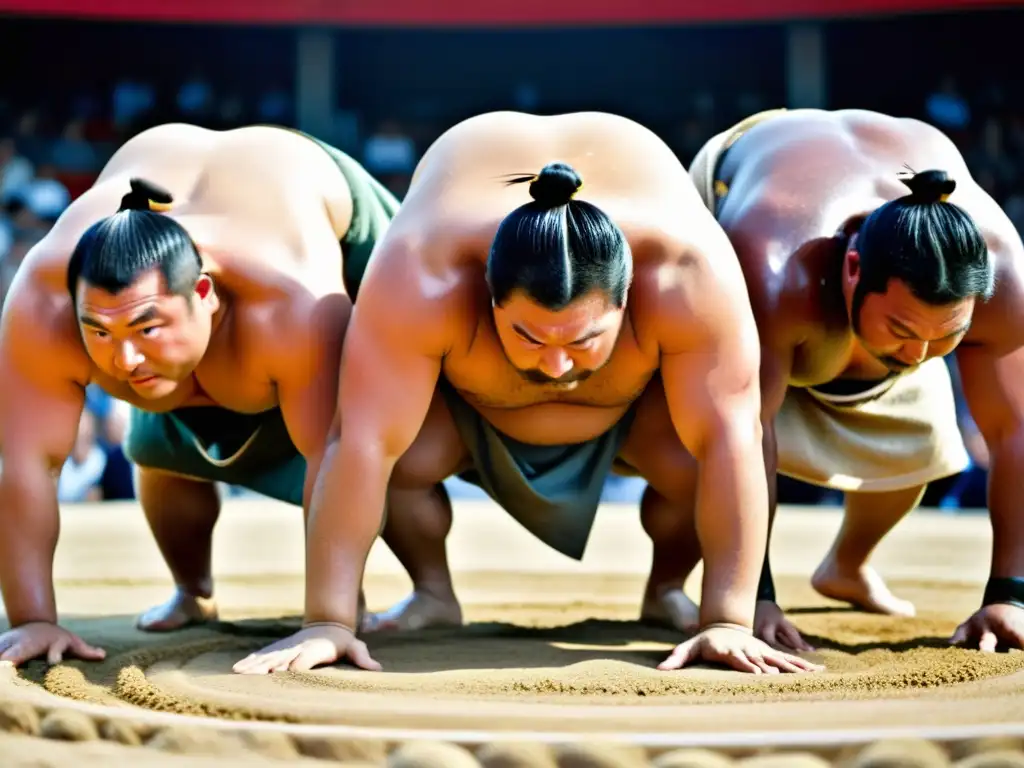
pixel 204 284
pixel 851 265
pixel 204 287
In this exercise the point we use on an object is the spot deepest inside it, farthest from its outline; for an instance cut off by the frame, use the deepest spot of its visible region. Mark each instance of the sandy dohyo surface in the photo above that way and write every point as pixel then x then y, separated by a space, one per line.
pixel 552 652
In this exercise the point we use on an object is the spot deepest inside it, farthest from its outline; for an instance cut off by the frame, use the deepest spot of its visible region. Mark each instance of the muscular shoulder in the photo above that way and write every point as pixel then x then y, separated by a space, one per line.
pixel 693 290
pixel 291 336
pixel 772 239
pixel 998 322
pixel 422 285
pixel 38 333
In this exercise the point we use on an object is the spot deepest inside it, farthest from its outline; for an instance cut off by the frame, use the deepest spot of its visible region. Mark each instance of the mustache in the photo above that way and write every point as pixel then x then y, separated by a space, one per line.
pixel 538 377
pixel 894 365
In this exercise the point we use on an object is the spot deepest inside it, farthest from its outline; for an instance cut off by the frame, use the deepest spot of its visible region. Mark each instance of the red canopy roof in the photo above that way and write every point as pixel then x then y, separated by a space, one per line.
pixel 479 12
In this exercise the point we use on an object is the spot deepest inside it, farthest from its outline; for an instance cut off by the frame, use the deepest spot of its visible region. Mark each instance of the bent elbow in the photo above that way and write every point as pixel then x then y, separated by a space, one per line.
pixel 745 430
pixel 740 431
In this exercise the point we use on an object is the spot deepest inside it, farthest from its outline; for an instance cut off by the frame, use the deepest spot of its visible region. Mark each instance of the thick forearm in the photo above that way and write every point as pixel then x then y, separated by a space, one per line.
pixel 1005 470
pixel 345 518
pixel 29 527
pixel 732 512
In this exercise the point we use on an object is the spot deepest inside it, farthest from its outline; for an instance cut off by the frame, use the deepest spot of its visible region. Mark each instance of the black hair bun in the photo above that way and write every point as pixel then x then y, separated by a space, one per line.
pixel 143 194
pixel 555 185
pixel 929 186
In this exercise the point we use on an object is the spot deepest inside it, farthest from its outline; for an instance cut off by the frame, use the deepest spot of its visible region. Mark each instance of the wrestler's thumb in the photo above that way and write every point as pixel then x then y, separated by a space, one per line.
pixel 360 656
pixel 680 657
pixel 961 634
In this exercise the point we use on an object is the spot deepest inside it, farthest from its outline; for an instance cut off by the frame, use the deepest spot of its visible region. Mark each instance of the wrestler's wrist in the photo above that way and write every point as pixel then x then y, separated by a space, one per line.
pixel 727 625
pixel 19 617
pixel 325 616
pixel 339 625
pixel 1004 590
pixel 727 618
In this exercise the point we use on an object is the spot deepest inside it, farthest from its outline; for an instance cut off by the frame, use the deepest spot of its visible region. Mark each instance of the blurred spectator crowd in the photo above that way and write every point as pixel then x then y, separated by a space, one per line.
pixel 47 160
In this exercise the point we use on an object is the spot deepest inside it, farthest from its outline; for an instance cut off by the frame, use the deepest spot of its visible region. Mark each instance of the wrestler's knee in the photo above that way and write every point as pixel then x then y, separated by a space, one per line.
pixel 672 472
pixel 436 454
pixel 415 471
pixel 667 506
pixel 656 513
pixel 655 452
pixel 664 519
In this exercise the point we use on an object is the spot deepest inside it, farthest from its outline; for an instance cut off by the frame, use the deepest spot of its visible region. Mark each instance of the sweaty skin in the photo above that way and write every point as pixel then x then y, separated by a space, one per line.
pixel 795 182
pixel 266 209
pixel 425 312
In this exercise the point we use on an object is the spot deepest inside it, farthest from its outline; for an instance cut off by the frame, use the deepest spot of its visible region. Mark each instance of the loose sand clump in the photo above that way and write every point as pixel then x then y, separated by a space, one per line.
pixel 19 717
pixel 516 755
pixel 971 747
pixel 787 760
pixel 186 740
pixel 902 753
pixel 693 758
pixel 994 759
pixel 122 732
pixel 342 750
pixel 68 725
pixel 429 754
pixel 600 756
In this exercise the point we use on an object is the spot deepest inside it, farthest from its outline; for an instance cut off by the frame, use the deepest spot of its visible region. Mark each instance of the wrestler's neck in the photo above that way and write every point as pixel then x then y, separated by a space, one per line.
pixel 829 297
pixel 822 272
pixel 192 392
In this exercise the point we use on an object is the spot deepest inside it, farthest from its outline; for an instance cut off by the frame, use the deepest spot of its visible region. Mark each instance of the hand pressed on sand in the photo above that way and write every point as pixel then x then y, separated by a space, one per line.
pixel 991 626
pixel 737 649
pixel 308 648
pixel 39 638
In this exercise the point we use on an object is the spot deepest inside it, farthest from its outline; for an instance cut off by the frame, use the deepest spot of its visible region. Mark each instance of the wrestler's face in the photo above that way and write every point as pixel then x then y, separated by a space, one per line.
pixel 560 348
pixel 900 330
pixel 145 336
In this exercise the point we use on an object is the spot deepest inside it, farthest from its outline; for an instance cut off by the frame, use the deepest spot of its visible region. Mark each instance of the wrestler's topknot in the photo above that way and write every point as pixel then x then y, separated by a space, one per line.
pixel 146 196
pixel 554 186
pixel 921 239
pixel 557 248
pixel 115 251
pixel 928 187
